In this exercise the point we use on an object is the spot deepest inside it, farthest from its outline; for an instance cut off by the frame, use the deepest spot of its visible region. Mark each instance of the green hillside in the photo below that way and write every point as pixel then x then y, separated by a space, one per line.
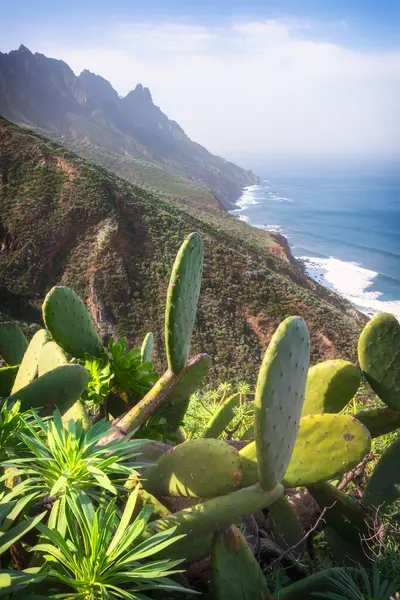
pixel 65 220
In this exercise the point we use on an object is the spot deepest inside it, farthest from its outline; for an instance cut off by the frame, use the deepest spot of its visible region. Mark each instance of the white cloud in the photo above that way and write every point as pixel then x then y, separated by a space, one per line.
pixel 253 87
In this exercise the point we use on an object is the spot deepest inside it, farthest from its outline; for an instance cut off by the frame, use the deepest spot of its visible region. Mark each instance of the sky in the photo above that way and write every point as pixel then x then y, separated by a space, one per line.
pixel 286 78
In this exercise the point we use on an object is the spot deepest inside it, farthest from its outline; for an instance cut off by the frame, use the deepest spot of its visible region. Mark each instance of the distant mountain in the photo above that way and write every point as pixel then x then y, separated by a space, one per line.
pixel 45 93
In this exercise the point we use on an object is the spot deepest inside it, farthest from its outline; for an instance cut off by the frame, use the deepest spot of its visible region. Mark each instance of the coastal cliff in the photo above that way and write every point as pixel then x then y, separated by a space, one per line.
pixel 64 220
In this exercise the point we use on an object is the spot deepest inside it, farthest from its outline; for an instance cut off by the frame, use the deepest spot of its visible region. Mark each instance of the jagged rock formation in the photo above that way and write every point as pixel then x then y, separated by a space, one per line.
pixel 46 93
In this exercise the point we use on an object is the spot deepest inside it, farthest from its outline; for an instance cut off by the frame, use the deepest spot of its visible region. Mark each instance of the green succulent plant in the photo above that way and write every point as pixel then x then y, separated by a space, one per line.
pixel 98 556
pixel 100 380
pixel 363 587
pixel 11 531
pixel 128 370
pixel 59 462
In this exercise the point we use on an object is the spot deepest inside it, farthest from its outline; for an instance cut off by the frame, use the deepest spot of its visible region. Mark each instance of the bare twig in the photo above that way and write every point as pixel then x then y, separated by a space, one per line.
pixel 352 474
pixel 305 536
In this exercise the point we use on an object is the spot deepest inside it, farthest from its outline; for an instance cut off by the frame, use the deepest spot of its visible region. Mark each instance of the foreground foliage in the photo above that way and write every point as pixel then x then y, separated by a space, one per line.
pixel 190 496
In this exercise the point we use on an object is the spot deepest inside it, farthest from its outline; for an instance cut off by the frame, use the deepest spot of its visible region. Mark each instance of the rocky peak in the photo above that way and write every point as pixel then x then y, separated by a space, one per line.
pixel 90 87
pixel 23 50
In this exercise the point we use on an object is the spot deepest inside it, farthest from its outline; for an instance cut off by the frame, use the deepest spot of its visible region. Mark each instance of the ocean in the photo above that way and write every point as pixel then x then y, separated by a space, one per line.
pixel 343 222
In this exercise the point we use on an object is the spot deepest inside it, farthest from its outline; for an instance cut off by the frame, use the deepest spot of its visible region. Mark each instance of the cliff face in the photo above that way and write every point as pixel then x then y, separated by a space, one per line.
pixel 66 221
pixel 46 93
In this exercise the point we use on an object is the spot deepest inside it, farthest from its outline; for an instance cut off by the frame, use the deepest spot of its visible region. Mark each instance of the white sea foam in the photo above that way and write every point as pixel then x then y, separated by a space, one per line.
pixel 275 197
pixel 352 282
pixel 267 227
pixel 247 198
pixel 347 279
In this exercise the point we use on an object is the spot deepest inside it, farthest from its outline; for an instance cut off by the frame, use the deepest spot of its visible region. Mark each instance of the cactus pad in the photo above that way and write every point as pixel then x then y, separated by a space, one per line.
pixel 279 399
pixel 309 587
pixel 70 324
pixel 383 487
pixel 182 297
pixel 146 351
pixel 59 388
pixel 177 403
pixel 346 516
pixel 51 356
pixel 13 343
pixel 222 417
pixel 29 366
pixel 200 468
pixel 379 357
pixel 330 386
pixel 344 552
pixel 236 573
pixel 7 378
pixel 326 447
pixel 379 421
pixel 203 519
pixel 286 525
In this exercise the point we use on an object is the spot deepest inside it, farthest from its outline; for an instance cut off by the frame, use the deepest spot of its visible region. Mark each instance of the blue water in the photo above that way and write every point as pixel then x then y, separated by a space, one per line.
pixel 344 221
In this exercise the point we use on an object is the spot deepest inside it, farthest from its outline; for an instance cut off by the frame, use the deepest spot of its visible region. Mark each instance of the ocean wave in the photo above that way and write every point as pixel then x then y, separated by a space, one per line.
pixel 351 281
pixel 276 197
pixel 266 227
pixel 247 198
pixel 244 218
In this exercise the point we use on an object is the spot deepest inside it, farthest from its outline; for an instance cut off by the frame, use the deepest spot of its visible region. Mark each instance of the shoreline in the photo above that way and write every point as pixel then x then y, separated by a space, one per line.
pixel 347 279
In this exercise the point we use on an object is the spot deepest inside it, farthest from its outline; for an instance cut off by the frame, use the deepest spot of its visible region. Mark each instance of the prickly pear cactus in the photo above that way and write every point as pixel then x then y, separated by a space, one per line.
pixel 343 551
pixel 68 320
pixel 200 468
pixel 59 388
pixel 51 356
pixel 236 573
pixel 178 401
pixel 286 525
pixel 383 487
pixel 330 386
pixel 7 378
pixel 13 343
pixel 327 446
pixel 222 417
pixel 29 367
pixel 379 357
pixel 279 399
pixel 199 522
pixel 146 351
pixel 182 297
pixel 344 514
pixel 379 421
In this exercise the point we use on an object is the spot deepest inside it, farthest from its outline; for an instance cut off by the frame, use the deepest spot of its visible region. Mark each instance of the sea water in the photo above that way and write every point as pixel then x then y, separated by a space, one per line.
pixel 343 221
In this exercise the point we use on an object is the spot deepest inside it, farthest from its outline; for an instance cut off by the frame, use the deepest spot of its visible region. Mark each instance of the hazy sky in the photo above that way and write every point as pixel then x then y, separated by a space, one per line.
pixel 243 78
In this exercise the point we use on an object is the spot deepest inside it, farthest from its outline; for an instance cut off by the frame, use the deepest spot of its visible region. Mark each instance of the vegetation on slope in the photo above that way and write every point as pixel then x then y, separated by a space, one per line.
pixel 64 220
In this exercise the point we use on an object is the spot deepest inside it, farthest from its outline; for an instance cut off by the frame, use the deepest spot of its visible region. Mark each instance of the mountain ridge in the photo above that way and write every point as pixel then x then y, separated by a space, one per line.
pixel 44 92
pixel 64 220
